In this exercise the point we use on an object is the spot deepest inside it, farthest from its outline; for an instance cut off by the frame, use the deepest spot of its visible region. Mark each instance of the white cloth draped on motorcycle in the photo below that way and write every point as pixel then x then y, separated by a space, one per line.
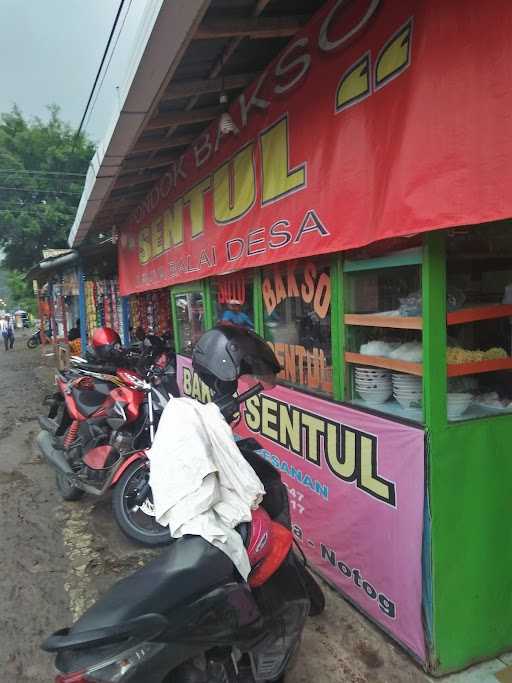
pixel 200 481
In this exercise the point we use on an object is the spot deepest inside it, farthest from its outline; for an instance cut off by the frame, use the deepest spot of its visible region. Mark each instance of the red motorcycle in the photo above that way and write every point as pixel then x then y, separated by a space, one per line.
pixel 106 418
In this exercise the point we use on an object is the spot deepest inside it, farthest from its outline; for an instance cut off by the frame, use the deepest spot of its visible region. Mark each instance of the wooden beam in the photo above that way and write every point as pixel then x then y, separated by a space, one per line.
pixel 180 118
pixel 141 164
pixel 154 145
pixel 136 179
pixel 198 86
pixel 251 27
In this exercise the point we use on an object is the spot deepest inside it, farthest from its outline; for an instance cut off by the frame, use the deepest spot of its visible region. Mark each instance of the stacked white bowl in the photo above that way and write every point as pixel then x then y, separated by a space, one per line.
pixel 373 385
pixel 458 403
pixel 407 390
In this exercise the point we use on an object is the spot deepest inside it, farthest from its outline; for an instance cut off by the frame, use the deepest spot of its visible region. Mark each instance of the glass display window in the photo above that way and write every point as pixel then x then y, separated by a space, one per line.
pixel 383 333
pixel 190 320
pixel 233 300
pixel 297 322
pixel 479 315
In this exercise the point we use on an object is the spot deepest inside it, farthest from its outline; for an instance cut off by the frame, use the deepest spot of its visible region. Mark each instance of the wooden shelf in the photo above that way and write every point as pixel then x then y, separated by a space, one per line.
pixel 387 363
pixel 454 369
pixel 467 315
pixel 375 320
pixel 459 369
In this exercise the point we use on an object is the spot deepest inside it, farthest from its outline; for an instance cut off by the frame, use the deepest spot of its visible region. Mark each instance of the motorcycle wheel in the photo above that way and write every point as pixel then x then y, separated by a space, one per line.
pixel 136 521
pixel 32 343
pixel 66 489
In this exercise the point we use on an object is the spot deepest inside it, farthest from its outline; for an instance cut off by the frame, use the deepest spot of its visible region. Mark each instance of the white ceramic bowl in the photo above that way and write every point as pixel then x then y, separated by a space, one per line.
pixel 371 375
pixel 376 400
pixel 370 392
pixel 458 404
pixel 365 368
pixel 399 382
pixel 372 383
pixel 457 397
pixel 375 390
pixel 408 403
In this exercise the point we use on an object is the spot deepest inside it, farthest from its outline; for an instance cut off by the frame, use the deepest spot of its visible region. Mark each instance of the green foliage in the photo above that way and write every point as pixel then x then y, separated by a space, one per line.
pixel 35 216
pixel 17 292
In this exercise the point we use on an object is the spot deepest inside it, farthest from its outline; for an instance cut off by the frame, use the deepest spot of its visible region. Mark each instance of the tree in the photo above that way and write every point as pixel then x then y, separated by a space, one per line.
pixel 21 294
pixel 42 172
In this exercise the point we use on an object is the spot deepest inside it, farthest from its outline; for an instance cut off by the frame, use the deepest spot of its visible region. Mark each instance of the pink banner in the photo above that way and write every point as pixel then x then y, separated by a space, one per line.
pixel 356 489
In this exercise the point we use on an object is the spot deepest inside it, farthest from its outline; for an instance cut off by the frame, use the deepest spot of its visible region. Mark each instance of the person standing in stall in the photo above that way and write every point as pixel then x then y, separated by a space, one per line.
pixel 7 329
pixel 236 316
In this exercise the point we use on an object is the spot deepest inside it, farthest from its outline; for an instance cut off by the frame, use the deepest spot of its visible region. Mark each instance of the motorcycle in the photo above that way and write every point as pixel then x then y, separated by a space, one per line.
pixel 35 340
pixel 188 616
pixel 106 418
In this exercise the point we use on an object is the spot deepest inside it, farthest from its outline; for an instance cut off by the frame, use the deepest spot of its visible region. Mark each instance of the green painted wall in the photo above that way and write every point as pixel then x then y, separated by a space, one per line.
pixel 470 490
pixel 471 506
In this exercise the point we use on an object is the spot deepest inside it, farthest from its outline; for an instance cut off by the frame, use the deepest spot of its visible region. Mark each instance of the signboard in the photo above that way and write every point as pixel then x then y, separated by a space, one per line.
pixel 356 490
pixel 380 119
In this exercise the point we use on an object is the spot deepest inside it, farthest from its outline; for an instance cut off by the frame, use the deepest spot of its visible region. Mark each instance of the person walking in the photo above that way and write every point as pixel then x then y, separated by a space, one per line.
pixel 7 329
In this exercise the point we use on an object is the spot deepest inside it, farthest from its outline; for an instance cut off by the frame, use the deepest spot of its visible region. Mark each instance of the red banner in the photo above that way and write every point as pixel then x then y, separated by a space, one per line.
pixel 381 119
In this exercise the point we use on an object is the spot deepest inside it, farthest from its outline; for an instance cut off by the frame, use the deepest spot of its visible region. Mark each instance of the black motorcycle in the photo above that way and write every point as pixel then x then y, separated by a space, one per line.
pixel 189 617
pixel 35 340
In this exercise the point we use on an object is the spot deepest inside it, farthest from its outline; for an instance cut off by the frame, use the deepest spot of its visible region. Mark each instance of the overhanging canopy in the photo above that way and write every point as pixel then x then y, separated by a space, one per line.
pixel 190 51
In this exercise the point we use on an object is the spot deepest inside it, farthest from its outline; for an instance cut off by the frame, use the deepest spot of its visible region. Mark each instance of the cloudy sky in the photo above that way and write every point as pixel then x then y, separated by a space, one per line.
pixel 50 51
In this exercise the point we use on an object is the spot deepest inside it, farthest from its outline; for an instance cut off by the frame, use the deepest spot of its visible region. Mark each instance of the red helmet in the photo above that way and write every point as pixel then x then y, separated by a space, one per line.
pixel 105 340
pixel 260 535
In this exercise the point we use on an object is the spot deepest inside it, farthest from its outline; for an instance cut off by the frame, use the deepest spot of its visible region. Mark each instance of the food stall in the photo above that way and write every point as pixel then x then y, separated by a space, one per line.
pixel 102 304
pixel 361 230
pixel 77 292
pixel 150 312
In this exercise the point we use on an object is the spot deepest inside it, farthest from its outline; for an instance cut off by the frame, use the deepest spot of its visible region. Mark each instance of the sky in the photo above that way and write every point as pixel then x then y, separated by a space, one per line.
pixel 50 51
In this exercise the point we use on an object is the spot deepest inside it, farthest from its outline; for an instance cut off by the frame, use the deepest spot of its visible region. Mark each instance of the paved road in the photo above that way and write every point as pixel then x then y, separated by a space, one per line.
pixel 58 557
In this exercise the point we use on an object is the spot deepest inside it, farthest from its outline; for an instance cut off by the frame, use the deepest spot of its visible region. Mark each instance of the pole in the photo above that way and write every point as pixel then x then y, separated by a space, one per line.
pixel 125 312
pixel 82 308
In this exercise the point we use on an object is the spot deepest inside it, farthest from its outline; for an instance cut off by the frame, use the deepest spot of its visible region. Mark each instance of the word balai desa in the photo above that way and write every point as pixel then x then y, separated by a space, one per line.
pixel 350 454
pixel 235 186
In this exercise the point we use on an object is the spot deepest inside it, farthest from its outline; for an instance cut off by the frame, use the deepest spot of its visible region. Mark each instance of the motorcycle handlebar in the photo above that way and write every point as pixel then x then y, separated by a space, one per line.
pixel 102 369
pixel 246 395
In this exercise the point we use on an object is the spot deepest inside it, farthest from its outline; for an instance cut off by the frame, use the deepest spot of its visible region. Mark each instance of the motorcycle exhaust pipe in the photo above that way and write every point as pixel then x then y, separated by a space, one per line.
pixel 57 460
pixel 53 456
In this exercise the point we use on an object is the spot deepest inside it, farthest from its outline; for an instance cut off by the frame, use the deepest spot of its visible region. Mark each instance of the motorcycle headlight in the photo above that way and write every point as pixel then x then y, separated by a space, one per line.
pixel 116 668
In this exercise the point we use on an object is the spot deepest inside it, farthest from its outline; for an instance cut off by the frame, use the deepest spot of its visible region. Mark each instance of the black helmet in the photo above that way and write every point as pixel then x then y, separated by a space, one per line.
pixel 227 352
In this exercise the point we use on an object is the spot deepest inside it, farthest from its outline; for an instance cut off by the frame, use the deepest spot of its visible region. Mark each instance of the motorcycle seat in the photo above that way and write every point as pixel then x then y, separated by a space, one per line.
pixel 189 567
pixel 88 400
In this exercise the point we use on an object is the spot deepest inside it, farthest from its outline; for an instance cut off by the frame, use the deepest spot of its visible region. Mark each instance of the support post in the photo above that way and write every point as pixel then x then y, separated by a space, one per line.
pixel 82 308
pixel 434 331
pixel 257 303
pixel 125 313
pixel 338 329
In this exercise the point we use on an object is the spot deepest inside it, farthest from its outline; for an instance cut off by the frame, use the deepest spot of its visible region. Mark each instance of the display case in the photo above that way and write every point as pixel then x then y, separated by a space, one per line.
pixel 383 333
pixel 296 300
pixel 191 307
pixel 479 274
